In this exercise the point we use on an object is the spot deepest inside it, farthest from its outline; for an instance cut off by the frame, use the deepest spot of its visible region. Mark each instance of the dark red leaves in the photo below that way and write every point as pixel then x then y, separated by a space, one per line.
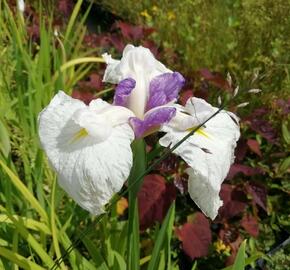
pixel 181 182
pixel 265 129
pixel 251 225
pixel 259 194
pixel 258 121
pixel 154 199
pixel 133 32
pixel 94 83
pixel 195 236
pixel 283 106
pixel 185 95
pixel 87 88
pixel 241 150
pixel 230 236
pixel 215 78
pixel 169 165
pixel 84 96
pixel 254 146
pixel 244 169
pixel 234 201
pixel 65 7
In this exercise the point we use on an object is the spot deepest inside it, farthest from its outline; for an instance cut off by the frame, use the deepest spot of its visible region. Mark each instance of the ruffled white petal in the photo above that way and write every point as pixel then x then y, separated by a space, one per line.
pixel 139 64
pixel 112 73
pixel 88 169
pixel 209 152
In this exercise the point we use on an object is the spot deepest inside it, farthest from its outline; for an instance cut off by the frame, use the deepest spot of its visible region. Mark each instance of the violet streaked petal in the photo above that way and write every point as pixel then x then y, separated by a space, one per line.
pixel 123 91
pixel 153 119
pixel 164 88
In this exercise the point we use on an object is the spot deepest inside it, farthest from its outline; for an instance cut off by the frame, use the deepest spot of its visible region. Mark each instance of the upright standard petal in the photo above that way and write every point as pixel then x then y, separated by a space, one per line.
pixel 209 152
pixel 139 64
pixel 123 91
pixel 89 148
pixel 164 88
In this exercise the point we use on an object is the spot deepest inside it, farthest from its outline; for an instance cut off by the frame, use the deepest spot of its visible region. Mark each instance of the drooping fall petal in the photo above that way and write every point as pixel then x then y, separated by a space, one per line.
pixel 88 147
pixel 209 152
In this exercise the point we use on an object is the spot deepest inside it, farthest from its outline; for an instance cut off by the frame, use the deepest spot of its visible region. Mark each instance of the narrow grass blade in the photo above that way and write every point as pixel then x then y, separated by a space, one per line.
pixel 47 260
pixel 165 232
pixel 29 223
pixel 25 192
pixel 248 261
pixel 54 230
pixel 21 261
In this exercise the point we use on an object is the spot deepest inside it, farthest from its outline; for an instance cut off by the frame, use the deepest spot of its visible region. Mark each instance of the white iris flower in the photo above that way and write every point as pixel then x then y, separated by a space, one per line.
pixel 89 146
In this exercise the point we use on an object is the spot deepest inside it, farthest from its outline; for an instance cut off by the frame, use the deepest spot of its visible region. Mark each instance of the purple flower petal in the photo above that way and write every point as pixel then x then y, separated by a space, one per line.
pixel 152 119
pixel 123 91
pixel 164 88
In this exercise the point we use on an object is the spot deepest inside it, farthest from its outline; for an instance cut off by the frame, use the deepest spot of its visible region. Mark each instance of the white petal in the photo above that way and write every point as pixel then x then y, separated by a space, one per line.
pixel 199 108
pixel 115 115
pixel 139 64
pixel 88 170
pixel 112 74
pixel 209 154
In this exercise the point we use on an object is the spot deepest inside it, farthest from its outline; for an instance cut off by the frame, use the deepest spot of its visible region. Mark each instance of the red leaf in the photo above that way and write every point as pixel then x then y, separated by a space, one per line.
pixel 230 236
pixel 258 121
pixel 234 250
pixel 169 165
pixel 251 225
pixel 215 78
pixel 65 7
pixel 195 236
pixel 93 84
pixel 185 95
pixel 283 106
pixel 133 32
pixel 181 182
pixel 241 150
pixel 234 201
pixel 117 42
pixel 85 96
pixel 259 194
pixel 154 199
pixel 254 146
pixel 244 169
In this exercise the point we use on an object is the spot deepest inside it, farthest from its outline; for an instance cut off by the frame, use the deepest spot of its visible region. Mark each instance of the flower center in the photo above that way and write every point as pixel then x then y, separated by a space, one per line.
pixel 91 124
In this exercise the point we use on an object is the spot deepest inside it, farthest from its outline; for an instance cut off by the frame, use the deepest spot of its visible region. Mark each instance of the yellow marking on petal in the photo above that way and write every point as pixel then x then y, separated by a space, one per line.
pixel 81 134
pixel 200 132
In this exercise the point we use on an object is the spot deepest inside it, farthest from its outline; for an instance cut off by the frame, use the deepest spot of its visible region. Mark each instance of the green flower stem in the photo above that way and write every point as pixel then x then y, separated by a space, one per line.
pixel 139 165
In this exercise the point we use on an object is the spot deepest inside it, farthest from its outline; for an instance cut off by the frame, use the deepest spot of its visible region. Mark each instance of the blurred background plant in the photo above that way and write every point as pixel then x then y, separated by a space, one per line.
pixel 56 44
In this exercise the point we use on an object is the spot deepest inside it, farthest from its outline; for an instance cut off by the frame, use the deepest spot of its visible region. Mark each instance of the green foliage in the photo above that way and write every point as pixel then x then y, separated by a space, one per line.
pixel 238 36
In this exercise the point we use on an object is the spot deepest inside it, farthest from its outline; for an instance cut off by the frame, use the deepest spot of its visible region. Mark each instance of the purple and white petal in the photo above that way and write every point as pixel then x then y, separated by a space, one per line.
pixel 164 88
pixel 153 119
pixel 139 64
pixel 123 91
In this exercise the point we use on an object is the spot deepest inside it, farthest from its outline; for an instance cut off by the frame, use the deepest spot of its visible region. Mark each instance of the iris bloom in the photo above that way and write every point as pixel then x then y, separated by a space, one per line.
pixel 89 146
